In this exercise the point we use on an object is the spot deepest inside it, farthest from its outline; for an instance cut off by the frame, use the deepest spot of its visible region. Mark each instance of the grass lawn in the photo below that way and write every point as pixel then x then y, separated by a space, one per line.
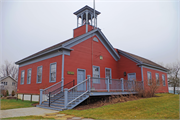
pixel 28 117
pixel 166 106
pixel 12 103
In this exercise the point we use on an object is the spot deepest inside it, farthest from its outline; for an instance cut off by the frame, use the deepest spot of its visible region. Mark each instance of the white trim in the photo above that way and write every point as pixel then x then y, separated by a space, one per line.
pixel 148 78
pixel 93 74
pixel 154 69
pixel 110 81
pixel 131 73
pixel 83 70
pixel 158 78
pixel 28 75
pixel 37 74
pixel 164 80
pixel 50 72
pixel 21 77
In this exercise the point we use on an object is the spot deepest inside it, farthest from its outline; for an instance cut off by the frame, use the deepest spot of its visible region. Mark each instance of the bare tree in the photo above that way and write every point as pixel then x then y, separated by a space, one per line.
pixel 9 69
pixel 174 75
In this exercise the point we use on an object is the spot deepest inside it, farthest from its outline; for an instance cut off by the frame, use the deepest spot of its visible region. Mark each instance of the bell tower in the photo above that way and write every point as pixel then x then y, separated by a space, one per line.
pixel 87 17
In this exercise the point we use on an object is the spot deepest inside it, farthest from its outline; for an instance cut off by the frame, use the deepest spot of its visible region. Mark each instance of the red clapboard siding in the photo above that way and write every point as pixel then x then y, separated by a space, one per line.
pixel 34 87
pixel 82 55
pixel 128 66
pixel 82 30
pixel 162 88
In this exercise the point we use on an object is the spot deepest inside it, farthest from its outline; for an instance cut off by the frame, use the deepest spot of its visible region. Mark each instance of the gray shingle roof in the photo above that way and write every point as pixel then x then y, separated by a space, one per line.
pixel 143 60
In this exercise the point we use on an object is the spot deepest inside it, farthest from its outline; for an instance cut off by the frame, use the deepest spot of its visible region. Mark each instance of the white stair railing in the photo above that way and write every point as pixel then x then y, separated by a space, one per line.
pixel 76 92
pixel 44 93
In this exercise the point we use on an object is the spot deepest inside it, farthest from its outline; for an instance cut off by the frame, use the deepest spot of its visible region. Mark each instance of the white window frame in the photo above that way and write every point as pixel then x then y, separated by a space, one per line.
pixel 131 74
pixel 96 81
pixel 22 80
pixel 150 77
pixel 157 79
pixel 164 81
pixel 37 74
pixel 50 72
pixel 28 76
pixel 13 83
pixel 110 79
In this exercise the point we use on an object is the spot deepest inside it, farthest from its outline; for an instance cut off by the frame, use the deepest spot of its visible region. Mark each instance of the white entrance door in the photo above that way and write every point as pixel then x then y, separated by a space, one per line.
pixel 80 78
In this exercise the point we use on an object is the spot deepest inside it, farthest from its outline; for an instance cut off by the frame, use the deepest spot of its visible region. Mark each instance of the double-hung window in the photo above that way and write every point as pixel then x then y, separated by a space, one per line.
pixel 53 72
pixel 22 76
pixel 13 83
pixel 108 74
pixel 157 79
pixel 96 74
pixel 163 80
pixel 39 74
pixel 149 78
pixel 29 76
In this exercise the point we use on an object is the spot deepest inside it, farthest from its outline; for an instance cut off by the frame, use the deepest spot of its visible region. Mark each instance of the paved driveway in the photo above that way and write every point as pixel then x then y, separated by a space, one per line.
pixel 25 112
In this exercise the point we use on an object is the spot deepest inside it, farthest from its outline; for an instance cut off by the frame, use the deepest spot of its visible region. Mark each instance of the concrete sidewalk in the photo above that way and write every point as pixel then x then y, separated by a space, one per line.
pixel 25 112
pixel 46 113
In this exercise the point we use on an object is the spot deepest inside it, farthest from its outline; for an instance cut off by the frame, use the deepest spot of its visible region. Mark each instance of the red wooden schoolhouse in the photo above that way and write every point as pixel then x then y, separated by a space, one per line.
pixel 86 65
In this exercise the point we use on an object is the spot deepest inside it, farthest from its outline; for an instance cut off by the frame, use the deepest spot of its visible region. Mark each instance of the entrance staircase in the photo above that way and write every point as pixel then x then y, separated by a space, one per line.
pixel 60 98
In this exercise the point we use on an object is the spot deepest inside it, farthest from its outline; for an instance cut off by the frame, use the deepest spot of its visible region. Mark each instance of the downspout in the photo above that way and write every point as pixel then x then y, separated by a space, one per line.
pixel 62 71
pixel 142 76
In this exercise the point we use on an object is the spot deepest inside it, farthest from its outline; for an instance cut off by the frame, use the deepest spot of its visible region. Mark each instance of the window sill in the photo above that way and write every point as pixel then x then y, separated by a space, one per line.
pixel 52 81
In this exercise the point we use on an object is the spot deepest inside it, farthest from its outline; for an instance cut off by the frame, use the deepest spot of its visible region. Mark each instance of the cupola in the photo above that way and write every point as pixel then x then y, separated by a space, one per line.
pixel 86 20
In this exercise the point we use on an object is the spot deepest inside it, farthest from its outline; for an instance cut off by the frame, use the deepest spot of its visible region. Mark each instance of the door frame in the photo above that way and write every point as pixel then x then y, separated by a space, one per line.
pixel 131 73
pixel 84 72
pixel 78 69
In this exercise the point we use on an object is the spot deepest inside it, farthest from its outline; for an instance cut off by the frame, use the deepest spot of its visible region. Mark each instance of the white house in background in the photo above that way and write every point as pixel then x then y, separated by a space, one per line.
pixel 9 83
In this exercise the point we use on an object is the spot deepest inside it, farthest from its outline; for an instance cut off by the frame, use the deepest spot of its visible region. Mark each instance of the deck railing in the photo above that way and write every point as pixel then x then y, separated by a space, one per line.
pixel 114 85
pixel 91 84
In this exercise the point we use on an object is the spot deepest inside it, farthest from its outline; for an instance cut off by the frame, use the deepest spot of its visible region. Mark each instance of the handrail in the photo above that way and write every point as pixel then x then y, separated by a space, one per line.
pixel 52 86
pixel 59 92
pixel 77 84
pixel 63 86
pixel 77 97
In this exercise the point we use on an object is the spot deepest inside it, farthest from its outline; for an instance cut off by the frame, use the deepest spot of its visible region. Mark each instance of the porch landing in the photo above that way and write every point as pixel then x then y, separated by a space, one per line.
pixel 110 93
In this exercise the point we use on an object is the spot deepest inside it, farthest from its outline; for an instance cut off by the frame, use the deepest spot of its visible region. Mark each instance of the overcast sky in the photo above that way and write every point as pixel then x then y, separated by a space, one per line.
pixel 148 28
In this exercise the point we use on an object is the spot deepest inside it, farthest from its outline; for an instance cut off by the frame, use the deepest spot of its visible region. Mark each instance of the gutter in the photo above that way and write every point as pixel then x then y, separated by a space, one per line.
pixel 148 65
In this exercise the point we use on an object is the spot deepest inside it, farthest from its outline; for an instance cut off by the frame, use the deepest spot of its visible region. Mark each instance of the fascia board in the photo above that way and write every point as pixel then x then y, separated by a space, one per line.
pixel 130 57
pixel 152 66
pixel 112 48
pixel 77 38
pixel 18 62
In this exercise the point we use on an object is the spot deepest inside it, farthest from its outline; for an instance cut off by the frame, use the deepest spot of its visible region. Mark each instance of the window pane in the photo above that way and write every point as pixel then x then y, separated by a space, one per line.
pixel 149 78
pixel 39 75
pixel 96 74
pixel 163 78
pixel 157 79
pixel 22 77
pixel 53 72
pixel 29 77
